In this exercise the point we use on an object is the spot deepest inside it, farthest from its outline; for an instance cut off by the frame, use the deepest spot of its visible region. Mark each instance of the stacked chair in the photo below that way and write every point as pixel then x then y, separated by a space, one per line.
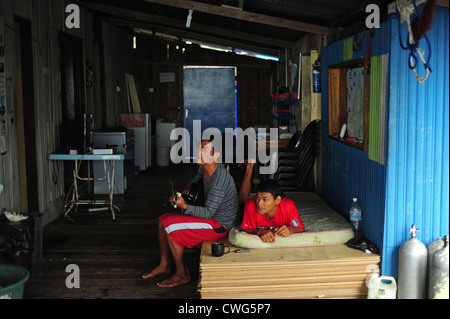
pixel 296 161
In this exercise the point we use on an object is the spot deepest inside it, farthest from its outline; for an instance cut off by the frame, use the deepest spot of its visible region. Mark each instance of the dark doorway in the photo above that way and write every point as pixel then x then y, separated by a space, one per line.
pixel 72 99
pixel 25 116
pixel 72 87
pixel 209 94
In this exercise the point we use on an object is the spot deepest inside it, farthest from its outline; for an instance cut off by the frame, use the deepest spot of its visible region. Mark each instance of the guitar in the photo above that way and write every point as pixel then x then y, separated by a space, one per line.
pixel 195 195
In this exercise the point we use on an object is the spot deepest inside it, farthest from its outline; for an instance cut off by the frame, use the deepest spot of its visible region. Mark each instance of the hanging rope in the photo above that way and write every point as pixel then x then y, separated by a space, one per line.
pixel 357 45
pixel 367 58
pixel 412 45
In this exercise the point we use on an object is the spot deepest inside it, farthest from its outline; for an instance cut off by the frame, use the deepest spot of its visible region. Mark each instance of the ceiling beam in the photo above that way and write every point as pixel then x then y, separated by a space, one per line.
pixel 246 16
pixel 119 12
pixel 355 14
pixel 251 37
pixel 309 6
pixel 187 34
pixel 131 15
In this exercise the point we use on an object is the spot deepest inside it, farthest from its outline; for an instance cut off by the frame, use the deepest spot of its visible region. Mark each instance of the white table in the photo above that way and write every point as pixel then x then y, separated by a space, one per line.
pixel 109 177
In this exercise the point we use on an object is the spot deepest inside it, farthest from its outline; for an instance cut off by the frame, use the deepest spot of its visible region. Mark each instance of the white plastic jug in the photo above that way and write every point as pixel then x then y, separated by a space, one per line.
pixel 382 287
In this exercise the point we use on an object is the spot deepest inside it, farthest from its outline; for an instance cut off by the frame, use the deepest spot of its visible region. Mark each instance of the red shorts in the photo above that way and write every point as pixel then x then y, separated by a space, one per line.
pixel 189 231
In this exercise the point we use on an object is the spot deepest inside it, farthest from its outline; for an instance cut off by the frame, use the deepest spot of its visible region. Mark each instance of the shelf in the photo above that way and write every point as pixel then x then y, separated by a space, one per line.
pixel 282 111
pixel 338 101
pixel 284 102
pixel 357 145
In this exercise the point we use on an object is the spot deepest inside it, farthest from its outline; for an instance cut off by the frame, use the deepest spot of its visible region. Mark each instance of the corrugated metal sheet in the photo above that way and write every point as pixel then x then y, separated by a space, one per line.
pixel 413 186
pixel 378 105
pixel 347 172
pixel 418 125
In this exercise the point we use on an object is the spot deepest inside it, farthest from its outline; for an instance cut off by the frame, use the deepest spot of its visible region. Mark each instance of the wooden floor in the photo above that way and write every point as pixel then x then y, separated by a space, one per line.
pixel 112 255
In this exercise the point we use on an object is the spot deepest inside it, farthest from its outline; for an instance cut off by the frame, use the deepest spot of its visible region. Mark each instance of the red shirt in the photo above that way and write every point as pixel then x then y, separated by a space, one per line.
pixel 287 214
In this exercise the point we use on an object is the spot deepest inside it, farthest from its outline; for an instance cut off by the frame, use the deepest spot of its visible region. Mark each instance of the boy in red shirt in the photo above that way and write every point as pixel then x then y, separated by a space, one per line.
pixel 270 214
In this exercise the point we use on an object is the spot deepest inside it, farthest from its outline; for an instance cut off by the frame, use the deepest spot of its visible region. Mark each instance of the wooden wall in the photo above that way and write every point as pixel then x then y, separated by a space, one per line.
pixel 109 50
pixel 154 56
pixel 309 107
pixel 118 61
pixel 47 19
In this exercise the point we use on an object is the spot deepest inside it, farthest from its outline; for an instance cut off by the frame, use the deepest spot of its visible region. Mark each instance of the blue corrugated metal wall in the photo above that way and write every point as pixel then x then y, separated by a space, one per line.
pixel 347 172
pixel 418 126
pixel 413 186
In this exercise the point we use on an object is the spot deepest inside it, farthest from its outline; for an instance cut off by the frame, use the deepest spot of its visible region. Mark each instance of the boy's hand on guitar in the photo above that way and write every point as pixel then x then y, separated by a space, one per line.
pixel 178 201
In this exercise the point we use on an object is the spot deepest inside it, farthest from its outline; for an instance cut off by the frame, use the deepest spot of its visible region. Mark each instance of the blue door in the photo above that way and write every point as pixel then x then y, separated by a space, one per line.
pixel 209 97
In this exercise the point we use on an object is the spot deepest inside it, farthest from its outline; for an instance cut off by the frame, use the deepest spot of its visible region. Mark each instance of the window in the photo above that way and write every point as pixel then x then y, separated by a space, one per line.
pixel 348 103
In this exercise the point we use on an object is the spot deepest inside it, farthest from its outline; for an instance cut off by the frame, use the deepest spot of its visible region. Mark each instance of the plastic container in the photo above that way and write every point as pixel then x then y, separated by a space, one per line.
pixel 356 218
pixel 382 287
pixel 12 281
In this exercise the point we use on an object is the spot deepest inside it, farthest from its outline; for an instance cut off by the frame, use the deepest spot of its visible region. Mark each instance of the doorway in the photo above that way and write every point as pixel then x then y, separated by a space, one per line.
pixel 210 96
pixel 72 100
pixel 25 116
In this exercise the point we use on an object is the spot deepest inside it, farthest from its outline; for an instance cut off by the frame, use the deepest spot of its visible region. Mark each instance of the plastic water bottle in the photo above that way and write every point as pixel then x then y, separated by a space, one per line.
pixel 356 218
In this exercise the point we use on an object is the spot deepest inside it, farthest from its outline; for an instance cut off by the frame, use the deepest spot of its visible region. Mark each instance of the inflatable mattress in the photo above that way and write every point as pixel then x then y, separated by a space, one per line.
pixel 323 226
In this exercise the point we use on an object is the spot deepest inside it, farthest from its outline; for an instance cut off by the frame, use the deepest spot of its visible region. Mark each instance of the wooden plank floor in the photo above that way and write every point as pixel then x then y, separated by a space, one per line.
pixel 112 255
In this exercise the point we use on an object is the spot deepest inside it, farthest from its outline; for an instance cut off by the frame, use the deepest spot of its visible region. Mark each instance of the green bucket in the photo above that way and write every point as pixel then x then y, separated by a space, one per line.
pixel 12 280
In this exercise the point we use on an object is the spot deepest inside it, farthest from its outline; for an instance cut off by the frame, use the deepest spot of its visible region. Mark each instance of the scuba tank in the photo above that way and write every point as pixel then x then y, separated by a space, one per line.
pixel 412 268
pixel 433 247
pixel 438 285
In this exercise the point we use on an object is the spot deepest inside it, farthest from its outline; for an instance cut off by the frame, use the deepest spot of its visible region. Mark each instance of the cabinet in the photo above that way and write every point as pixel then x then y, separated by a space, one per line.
pixel 282 110
pixel 142 126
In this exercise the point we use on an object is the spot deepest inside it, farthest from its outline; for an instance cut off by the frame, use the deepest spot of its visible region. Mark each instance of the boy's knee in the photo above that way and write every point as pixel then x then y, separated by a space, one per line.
pixel 160 225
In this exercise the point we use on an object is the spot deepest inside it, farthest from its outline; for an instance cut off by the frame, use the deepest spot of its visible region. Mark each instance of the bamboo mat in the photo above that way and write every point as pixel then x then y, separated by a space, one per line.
pixel 307 272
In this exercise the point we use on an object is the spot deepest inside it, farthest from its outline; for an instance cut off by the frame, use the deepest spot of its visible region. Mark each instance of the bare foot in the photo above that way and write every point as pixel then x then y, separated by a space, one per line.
pixel 159 270
pixel 175 280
